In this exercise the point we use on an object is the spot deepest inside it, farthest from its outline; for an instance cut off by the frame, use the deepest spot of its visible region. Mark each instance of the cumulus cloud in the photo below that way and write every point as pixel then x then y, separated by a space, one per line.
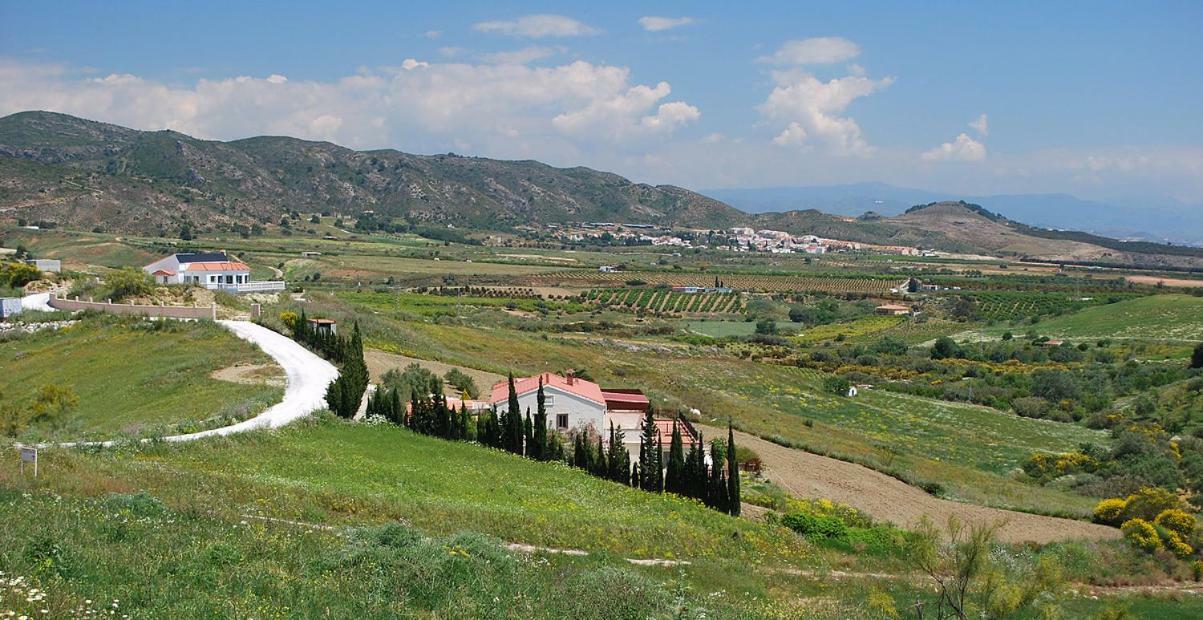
pixel 792 134
pixel 963 148
pixel 813 51
pixel 981 125
pixel 618 116
pixel 652 23
pixel 537 26
pixel 813 108
pixel 510 110
pixel 519 57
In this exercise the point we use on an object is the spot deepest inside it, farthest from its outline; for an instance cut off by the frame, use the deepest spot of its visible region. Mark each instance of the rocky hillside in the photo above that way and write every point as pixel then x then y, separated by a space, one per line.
pixel 85 174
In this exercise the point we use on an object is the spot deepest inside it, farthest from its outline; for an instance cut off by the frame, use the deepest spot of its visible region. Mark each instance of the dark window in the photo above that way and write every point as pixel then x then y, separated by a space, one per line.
pixel 561 420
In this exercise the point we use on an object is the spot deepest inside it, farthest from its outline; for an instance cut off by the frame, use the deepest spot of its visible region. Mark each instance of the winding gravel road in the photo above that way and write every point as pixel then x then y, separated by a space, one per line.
pixel 307 378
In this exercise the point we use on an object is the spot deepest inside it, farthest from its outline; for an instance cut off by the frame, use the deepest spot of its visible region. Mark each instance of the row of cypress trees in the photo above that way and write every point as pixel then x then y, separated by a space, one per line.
pixel 683 473
pixel 344 393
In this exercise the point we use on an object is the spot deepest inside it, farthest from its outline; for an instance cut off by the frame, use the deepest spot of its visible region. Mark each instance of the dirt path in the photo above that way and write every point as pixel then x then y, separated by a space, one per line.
pixel 887 499
pixel 250 374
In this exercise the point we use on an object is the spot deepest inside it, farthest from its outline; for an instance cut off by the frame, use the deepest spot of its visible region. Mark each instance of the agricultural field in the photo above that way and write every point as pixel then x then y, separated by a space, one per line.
pixel 1019 305
pixel 737 281
pixel 662 301
pixel 133 377
pixel 1173 317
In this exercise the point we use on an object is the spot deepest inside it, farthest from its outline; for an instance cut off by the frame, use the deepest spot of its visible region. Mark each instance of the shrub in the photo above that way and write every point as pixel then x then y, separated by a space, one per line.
pixel 127 283
pixel 819 527
pixel 1149 502
pixel 17 275
pixel 1141 534
pixel 1177 521
pixel 1110 511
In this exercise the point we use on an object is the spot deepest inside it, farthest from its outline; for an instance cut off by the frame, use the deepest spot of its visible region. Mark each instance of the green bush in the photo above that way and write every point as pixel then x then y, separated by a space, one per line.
pixel 816 527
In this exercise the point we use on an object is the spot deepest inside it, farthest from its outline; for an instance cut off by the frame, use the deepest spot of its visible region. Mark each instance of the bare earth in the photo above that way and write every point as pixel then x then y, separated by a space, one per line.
pixel 807 475
pixel 251 374
pixel 1154 281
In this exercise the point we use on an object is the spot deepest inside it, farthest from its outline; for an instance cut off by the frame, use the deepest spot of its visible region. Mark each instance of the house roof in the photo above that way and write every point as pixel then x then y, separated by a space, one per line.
pixel 201 257
pixel 163 272
pixel 893 307
pixel 576 386
pixel 664 429
pixel 322 321
pixel 625 399
pixel 215 266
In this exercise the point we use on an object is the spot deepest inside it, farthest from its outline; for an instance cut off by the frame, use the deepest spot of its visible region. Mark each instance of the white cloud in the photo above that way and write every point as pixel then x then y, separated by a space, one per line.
pixel 814 108
pixel 537 26
pixel 652 23
pixel 814 51
pixel 981 125
pixel 504 110
pixel 792 134
pixel 618 116
pixel 433 34
pixel 963 148
pixel 451 51
pixel 519 57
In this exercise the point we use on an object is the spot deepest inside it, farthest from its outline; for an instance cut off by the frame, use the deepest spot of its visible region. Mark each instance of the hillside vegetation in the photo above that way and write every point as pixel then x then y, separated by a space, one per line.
pixel 131 377
pixel 83 173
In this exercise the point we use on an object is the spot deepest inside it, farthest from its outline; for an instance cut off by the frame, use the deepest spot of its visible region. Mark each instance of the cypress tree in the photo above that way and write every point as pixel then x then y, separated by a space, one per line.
pixel 539 443
pixel 464 421
pixel 511 426
pixel 647 451
pixel 695 470
pixel 599 460
pixel 674 480
pixel 733 497
pixel 618 460
pixel 528 435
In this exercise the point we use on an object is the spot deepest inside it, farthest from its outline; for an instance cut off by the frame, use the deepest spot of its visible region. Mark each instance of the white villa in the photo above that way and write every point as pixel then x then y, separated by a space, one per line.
pixel 574 404
pixel 212 270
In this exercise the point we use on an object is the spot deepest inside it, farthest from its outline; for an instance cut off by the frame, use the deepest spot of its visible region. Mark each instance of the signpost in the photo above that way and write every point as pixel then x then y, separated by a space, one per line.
pixel 29 455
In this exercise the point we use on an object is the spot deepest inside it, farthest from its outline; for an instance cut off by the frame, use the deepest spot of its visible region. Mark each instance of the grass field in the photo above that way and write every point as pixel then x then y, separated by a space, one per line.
pixel 721 329
pixel 1156 317
pixel 133 377
pixel 337 474
pixel 968 449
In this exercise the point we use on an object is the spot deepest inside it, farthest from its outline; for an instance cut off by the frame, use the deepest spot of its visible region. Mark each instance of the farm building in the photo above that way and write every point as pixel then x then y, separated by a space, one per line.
pixel 212 270
pixel 574 404
pixel 893 309
pixel 319 326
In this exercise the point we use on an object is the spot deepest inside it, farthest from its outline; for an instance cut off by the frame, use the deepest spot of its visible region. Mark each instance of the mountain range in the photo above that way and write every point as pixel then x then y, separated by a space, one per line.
pixel 1173 222
pixel 89 175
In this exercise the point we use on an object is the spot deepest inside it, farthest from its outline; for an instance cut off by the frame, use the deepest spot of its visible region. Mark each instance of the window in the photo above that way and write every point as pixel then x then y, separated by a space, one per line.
pixel 562 421
pixel 549 399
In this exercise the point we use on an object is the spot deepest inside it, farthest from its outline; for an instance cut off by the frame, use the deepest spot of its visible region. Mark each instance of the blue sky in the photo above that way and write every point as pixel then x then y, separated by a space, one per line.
pixel 1097 99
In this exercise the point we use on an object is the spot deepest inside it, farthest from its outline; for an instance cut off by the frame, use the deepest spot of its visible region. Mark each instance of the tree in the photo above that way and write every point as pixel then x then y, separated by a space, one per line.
pixel 733 495
pixel 945 348
pixel 766 327
pixel 511 422
pixel 1196 358
pixel 539 440
pixel 649 453
pixel 618 459
pixel 528 435
pixel 127 283
pixel 674 478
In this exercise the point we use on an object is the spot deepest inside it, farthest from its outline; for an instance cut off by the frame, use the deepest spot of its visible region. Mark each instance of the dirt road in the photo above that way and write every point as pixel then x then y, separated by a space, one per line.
pixel 807 475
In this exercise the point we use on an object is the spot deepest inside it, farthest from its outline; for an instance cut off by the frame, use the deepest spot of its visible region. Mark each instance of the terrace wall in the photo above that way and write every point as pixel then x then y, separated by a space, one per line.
pixel 165 312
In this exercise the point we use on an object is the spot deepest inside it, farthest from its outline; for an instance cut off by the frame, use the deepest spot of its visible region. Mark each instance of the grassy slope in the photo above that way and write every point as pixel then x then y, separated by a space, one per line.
pixel 340 474
pixel 967 449
pixel 130 375
pixel 1157 317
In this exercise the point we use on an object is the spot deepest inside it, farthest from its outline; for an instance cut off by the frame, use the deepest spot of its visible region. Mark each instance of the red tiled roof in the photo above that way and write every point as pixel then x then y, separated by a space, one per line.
pixel 585 389
pixel 664 428
pixel 163 272
pixel 625 399
pixel 216 266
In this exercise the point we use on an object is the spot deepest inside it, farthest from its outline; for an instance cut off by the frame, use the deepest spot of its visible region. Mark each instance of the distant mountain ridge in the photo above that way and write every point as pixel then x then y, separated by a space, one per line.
pixel 1173 222
pixel 59 167
pixel 85 174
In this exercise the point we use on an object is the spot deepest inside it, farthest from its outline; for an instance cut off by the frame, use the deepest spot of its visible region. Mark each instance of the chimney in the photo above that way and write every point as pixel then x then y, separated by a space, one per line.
pixel 571 376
